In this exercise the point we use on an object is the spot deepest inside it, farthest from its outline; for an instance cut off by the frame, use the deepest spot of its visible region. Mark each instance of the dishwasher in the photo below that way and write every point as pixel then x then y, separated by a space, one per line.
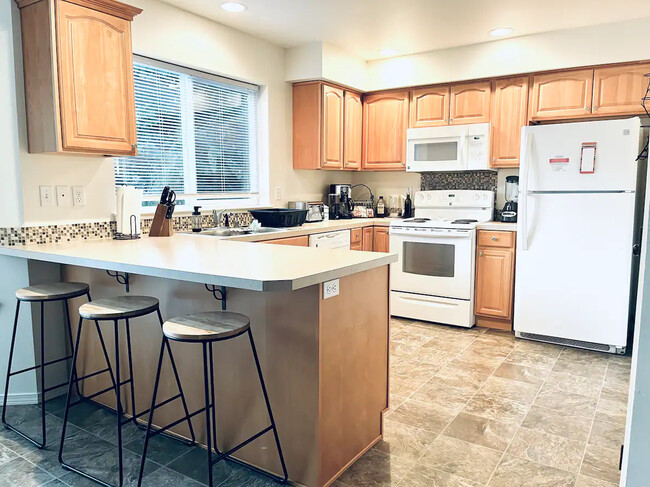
pixel 331 240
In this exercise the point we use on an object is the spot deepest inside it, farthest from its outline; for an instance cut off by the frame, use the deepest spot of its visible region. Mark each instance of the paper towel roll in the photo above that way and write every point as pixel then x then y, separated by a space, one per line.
pixel 129 202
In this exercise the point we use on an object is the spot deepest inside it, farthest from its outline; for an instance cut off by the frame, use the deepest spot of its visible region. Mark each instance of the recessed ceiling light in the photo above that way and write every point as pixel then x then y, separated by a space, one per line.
pixel 388 52
pixel 233 7
pixel 501 31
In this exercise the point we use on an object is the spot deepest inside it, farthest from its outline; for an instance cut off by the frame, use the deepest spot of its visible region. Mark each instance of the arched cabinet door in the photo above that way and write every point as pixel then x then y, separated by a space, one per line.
pixel 430 107
pixel 470 103
pixel 618 90
pixel 95 74
pixel 563 95
pixel 385 120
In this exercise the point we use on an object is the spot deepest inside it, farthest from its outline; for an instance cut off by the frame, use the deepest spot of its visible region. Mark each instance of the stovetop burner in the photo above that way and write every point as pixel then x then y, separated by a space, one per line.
pixel 417 220
pixel 464 221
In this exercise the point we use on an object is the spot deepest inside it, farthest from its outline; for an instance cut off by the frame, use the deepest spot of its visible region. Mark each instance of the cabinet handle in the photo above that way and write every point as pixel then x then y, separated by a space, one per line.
pixel 595 108
pixel 134 146
pixel 494 239
pixel 480 253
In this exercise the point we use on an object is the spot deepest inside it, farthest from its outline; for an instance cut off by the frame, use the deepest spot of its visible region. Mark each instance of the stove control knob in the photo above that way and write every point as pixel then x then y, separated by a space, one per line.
pixel 484 196
pixel 476 196
pixel 428 197
pixel 420 196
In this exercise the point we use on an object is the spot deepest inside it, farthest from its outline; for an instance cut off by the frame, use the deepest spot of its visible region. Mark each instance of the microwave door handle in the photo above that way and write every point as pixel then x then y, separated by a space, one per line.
pixel 523 192
pixel 463 151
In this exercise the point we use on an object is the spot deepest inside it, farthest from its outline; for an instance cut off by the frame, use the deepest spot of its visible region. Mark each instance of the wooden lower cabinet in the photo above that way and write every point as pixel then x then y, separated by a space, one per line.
pixel 495 272
pixel 368 237
pixel 302 241
pixel 356 239
pixel 380 239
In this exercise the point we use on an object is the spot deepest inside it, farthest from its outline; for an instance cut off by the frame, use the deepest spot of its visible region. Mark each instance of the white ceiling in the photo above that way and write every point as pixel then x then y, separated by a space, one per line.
pixel 363 27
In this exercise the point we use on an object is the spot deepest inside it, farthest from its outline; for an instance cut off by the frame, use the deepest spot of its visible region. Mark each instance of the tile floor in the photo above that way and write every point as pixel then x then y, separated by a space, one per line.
pixel 468 408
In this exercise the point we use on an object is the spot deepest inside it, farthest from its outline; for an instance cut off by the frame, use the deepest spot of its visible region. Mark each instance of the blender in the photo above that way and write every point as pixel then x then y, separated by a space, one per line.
pixel 509 212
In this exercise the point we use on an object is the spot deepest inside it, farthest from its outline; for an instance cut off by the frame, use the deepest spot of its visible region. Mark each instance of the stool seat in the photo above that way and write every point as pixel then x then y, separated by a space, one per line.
pixel 53 291
pixel 119 308
pixel 206 327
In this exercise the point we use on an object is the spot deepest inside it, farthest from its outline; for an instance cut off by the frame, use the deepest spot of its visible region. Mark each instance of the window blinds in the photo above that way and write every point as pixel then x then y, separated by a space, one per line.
pixel 195 134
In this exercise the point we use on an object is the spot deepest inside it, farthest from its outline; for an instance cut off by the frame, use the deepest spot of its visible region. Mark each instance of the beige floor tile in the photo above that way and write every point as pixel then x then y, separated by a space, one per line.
pixel 532 345
pixel 401 350
pixel 407 337
pixel 421 476
pixel 601 463
pixel 573 384
pixel 441 394
pixel 585 356
pixel 376 469
pixel 510 389
pixel 432 356
pixel 521 373
pixel 481 431
pixel 451 344
pixel 497 408
pixel 517 472
pixel 479 362
pixel 550 450
pixel 543 359
pixel 423 415
pixel 462 376
pixel 611 411
pixel 591 482
pixel 620 361
pixel 582 368
pixel 457 457
pixel 405 386
pixel 411 369
pixel 621 374
pixel 404 441
pixel 608 435
pixel 566 403
pixel 565 425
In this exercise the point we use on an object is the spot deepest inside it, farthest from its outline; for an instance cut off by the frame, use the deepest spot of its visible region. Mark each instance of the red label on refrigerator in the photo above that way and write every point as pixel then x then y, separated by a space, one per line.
pixel 559 160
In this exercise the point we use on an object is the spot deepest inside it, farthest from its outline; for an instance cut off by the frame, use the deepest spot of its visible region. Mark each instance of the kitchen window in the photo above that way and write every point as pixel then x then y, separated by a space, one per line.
pixel 197 133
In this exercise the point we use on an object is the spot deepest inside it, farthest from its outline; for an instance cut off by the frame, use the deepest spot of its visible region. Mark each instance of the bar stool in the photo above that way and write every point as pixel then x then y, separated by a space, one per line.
pixel 42 293
pixel 116 309
pixel 206 329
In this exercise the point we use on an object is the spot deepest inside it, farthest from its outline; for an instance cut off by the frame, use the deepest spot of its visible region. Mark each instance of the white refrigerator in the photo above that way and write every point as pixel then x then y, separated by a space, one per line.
pixel 576 233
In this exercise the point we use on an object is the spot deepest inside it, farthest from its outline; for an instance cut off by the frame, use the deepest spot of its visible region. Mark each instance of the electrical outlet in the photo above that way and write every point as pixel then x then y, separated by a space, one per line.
pixel 78 196
pixel 46 195
pixel 330 288
pixel 278 193
pixel 63 196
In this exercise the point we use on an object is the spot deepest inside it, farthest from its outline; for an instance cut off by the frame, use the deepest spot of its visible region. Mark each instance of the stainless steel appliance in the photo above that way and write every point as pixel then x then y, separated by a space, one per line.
pixel 341 204
pixel 433 278
pixel 448 148
pixel 509 212
pixel 316 211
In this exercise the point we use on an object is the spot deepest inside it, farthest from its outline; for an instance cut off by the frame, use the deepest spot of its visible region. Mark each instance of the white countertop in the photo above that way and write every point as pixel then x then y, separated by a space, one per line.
pixel 217 261
pixel 498 226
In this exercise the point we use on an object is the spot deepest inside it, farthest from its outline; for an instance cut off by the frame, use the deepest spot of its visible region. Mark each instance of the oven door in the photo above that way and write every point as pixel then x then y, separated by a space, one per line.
pixel 436 154
pixel 435 263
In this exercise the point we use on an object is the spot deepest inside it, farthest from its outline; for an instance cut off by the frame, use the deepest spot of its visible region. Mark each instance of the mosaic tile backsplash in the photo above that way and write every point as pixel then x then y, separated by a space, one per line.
pixel 95 230
pixel 482 180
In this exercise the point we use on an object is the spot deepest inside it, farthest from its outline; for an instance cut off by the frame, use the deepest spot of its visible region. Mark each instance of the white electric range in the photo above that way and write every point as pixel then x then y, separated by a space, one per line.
pixel 433 278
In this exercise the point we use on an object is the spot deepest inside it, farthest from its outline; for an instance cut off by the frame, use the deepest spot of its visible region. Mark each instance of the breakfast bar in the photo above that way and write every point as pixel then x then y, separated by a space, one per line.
pixel 324 353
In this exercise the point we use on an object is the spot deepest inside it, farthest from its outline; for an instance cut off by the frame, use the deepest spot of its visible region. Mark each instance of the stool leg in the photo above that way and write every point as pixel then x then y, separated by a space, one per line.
pixel 42 384
pixel 66 312
pixel 11 359
pixel 132 380
pixel 119 403
pixel 214 405
pixel 206 387
pixel 268 404
pixel 178 382
pixel 73 378
pixel 108 361
pixel 151 411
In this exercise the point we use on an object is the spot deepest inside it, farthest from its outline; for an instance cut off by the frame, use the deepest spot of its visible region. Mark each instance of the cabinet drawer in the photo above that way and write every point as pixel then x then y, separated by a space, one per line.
pixel 356 236
pixel 487 238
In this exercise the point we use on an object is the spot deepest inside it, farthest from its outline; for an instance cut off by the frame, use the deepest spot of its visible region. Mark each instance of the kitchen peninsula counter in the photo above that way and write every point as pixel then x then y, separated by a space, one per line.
pixel 325 360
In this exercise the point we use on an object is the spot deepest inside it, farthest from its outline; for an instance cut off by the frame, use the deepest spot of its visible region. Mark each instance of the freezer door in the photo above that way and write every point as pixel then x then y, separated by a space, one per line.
pixel 585 156
pixel 573 281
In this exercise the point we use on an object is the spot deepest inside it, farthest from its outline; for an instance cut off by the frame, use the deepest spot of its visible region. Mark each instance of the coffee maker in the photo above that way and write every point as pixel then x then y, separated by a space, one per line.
pixel 509 212
pixel 340 199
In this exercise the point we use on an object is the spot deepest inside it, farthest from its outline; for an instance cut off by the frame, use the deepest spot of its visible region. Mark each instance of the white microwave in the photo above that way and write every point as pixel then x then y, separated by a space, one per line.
pixel 448 148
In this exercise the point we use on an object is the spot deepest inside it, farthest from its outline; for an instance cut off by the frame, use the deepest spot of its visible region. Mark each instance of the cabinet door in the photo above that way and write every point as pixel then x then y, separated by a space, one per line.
pixel 380 243
pixel 561 95
pixel 367 239
pixel 494 282
pixel 95 81
pixel 429 107
pixel 385 120
pixel 352 131
pixel 618 90
pixel 332 129
pixel 302 241
pixel 470 103
pixel 509 115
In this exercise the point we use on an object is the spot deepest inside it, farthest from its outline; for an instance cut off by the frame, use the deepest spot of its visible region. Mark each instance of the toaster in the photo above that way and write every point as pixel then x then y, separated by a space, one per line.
pixel 315 211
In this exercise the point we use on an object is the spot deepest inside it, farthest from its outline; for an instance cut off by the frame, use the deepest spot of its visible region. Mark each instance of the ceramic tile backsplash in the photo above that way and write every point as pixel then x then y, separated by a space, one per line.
pixel 94 230
pixel 483 180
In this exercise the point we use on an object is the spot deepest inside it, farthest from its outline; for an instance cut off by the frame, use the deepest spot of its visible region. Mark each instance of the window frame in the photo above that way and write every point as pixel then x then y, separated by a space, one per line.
pixel 208 201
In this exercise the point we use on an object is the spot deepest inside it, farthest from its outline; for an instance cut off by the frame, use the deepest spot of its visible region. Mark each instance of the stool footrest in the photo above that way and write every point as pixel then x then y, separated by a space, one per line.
pixel 48 389
pixel 159 405
pixel 51 362
pixel 108 389
pixel 159 431
pixel 93 374
pixel 221 456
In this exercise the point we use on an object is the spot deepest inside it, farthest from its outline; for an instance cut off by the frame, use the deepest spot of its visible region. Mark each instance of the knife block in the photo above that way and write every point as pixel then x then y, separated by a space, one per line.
pixel 161 226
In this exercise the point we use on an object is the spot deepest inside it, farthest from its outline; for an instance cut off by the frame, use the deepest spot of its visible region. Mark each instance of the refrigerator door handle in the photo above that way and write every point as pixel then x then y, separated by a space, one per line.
pixel 523 194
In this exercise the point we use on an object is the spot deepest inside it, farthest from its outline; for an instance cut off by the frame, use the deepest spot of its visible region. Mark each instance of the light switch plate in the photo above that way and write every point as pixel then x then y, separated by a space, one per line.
pixel 63 196
pixel 78 196
pixel 47 197
pixel 278 193
pixel 330 288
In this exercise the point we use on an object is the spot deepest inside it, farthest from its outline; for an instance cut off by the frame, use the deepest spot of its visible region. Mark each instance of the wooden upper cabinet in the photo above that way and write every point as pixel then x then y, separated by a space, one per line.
pixel 470 103
pixel 79 90
pixel 618 90
pixel 352 131
pixel 429 107
pixel 332 132
pixel 385 120
pixel 509 115
pixel 561 95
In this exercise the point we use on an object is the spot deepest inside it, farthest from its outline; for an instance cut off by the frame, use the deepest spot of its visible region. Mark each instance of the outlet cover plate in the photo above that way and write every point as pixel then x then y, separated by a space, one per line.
pixel 78 196
pixel 63 197
pixel 47 195
pixel 330 288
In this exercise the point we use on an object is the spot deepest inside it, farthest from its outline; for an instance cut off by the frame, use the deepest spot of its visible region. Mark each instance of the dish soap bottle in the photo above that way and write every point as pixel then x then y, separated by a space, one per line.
pixel 408 206
pixel 196 220
pixel 381 207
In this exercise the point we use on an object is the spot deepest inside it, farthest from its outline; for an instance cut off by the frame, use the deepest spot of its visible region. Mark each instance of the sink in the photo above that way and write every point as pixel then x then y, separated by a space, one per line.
pixel 232 232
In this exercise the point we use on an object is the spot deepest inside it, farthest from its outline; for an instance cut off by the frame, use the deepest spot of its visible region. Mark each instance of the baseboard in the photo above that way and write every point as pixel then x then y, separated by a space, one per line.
pixel 25 398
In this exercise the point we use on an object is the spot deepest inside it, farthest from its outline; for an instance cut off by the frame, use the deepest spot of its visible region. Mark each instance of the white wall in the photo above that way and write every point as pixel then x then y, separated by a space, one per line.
pixel 607 43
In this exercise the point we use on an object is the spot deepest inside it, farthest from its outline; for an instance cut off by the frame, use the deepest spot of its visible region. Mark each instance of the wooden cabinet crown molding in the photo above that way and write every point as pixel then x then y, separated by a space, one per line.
pixel 110 7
